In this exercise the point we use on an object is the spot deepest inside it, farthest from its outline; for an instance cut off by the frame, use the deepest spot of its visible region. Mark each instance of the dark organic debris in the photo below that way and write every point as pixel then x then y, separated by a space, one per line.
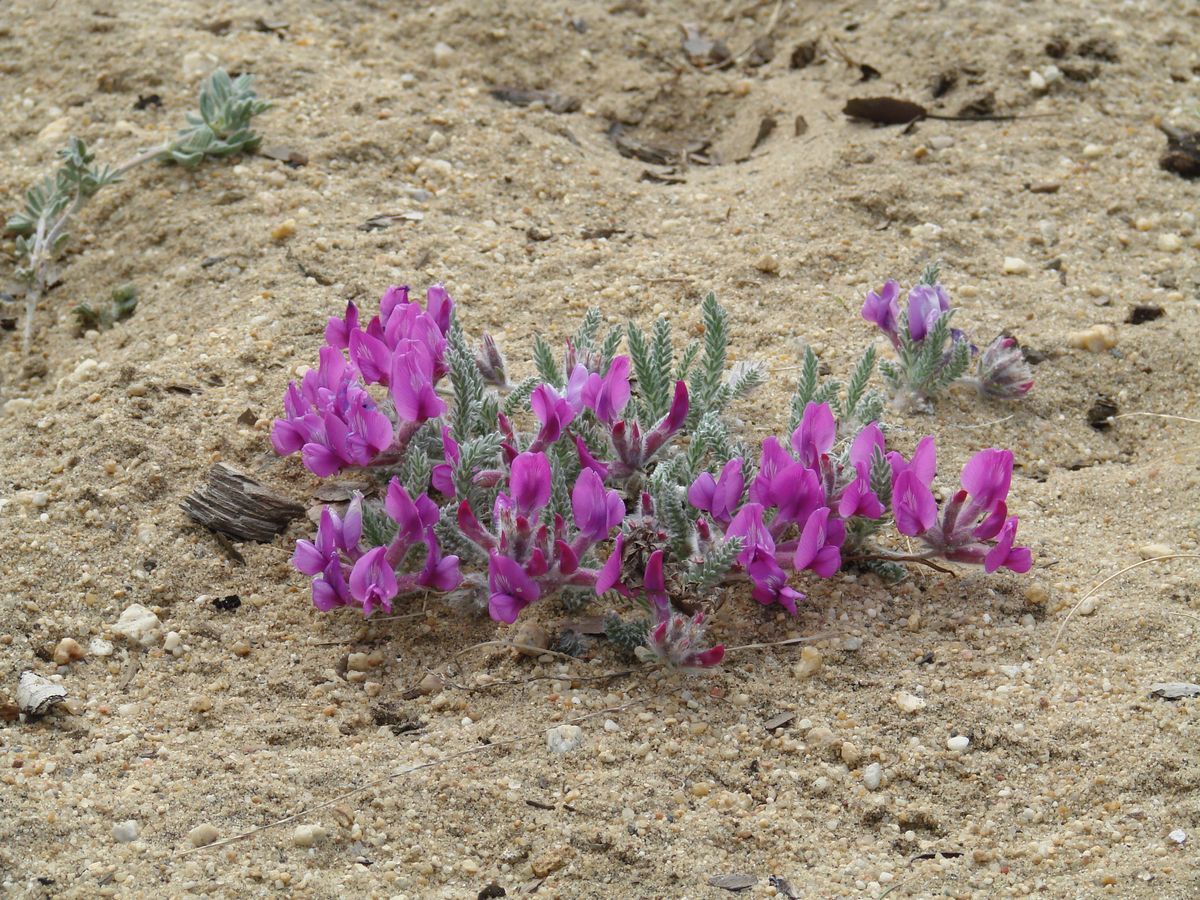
pixel 628 146
pixel 804 55
pixel 8 324
pixel 943 83
pixel 491 892
pixel 801 126
pixel 289 156
pixel 269 27
pixel 553 101
pixel 666 177
pixel 602 232
pixel 232 503
pixel 387 220
pixel 1183 152
pixel 148 101
pixel 1100 414
pixel 1174 690
pixel 934 854
pixel 765 127
pixel 1144 312
pixel 228 603
pixel 885 110
pixel 701 51
pixel 778 720
pixel 762 51
pixel 868 72
pixel 733 882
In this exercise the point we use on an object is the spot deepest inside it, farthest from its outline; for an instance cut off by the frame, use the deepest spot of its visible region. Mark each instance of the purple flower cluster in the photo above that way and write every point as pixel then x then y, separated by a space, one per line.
pixel 331 418
pixel 539 506
pixel 797 509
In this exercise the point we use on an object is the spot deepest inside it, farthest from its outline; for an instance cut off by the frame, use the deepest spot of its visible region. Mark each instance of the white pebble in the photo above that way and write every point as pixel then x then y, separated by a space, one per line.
pixel 1037 81
pixel 872 776
pixel 125 832
pixel 564 738
pixel 1091 151
pixel 958 743
pixel 1015 266
pixel 139 625
pixel 100 647
pixel 203 835
pixel 610 726
pixel 941 141
pixel 173 643
pixel 308 835
pixel 1178 836
pixel 1170 243
pixel 442 53
pixel 1088 606
pixel 909 703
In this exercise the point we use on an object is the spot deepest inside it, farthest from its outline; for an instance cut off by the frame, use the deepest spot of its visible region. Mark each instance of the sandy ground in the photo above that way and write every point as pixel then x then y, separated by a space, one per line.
pixel 1074 777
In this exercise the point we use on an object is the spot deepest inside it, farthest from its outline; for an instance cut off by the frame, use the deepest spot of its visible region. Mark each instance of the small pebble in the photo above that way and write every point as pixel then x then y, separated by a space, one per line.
pixel 611 727
pixel 203 835
pixel 850 754
pixel 283 230
pixel 564 738
pixel 1088 606
pixel 767 264
pixel 67 651
pixel 173 643
pixel 909 703
pixel 442 53
pixel 531 639
pixel 1092 151
pixel 1015 266
pixel 436 142
pixel 430 684
pixel 1037 81
pixel 1150 551
pixel 1179 836
pixel 308 835
pixel 872 776
pixel 125 832
pixel 100 647
pixel 810 663
pixel 139 625
pixel 941 142
pixel 1095 339
pixel 1170 243
pixel 958 743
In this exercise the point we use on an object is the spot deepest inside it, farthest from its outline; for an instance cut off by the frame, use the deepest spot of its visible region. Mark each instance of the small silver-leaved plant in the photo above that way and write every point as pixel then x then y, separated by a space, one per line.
pixel 221 128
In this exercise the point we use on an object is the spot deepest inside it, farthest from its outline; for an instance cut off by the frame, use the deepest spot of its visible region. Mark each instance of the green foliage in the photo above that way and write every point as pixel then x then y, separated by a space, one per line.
pixel 120 307
pixel 547 368
pixel 626 635
pixel 452 540
pixel 468 413
pixel 856 407
pixel 518 398
pixel 478 453
pixel 653 366
pixel 670 506
pixel 927 367
pixel 709 571
pixel 931 273
pixel 378 529
pixel 415 471
pixel 222 127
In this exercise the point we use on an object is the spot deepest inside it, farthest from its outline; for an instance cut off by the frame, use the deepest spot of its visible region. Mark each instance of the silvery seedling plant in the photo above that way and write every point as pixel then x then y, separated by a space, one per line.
pixel 931 355
pixel 221 127
pixel 606 475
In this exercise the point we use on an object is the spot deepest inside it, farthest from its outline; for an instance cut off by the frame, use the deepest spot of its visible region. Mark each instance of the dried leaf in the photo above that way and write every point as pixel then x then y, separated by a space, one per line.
pixel 804 55
pixel 884 110
pixel 387 220
pixel 1144 312
pixel 1100 413
pixel 733 882
pixel 1174 690
pixel 553 101
pixel 701 51
pixel 289 156
pixel 778 720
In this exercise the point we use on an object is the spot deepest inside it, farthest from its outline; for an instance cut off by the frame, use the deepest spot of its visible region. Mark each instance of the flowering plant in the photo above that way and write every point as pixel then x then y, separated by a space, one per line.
pixel 931 355
pixel 629 452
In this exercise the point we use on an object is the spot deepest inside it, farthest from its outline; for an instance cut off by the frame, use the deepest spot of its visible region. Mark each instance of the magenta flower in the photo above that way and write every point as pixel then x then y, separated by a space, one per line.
pixel 311 557
pixel 609 577
pixel 987 476
pixel 373 582
pixel 440 573
pixel 554 412
pixel 529 482
pixel 338 331
pixel 395 296
pixel 883 308
pixel 721 496
pixel 412 386
pixel 913 504
pixel 923 463
pixel 819 548
pixel 442 475
pixel 770 582
pixel 862 451
pixel 330 590
pixel 1018 559
pixel 607 395
pixel 748 525
pixel 597 512
pixel 511 589
pixel 587 460
pixel 654 582
pixel 815 435
pixel 439 306
pixel 414 517
pixel 858 499
pixel 926 304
